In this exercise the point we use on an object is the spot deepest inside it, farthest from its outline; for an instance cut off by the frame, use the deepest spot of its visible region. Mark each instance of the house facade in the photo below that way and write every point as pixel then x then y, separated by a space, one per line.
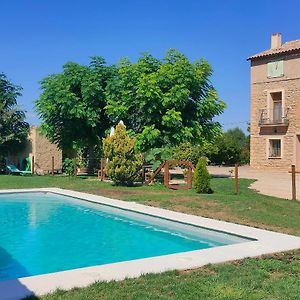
pixel 275 106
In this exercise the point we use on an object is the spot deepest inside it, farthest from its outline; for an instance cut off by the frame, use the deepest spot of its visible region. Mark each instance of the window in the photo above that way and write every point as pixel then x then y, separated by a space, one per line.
pixel 275 148
pixel 277 107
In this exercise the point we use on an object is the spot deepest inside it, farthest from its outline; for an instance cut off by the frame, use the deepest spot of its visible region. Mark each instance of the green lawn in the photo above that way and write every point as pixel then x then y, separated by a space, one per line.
pixel 274 277
pixel 271 277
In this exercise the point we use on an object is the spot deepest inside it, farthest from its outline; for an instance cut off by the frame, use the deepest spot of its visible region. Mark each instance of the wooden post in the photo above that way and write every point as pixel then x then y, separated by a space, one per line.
pixel 162 165
pixel 102 165
pixel 189 177
pixel 236 178
pixel 166 174
pixel 52 166
pixel 75 167
pixel 294 192
pixel 101 169
pixel 32 167
pixel 143 174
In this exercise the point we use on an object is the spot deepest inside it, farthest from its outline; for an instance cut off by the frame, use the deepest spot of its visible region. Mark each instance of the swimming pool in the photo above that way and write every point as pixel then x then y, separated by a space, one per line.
pixel 74 241
pixel 46 232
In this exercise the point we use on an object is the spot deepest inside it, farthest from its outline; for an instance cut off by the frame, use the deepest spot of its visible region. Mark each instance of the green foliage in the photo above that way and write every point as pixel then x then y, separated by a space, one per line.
pixel 156 156
pixel 237 135
pixel 208 150
pixel 68 166
pixel 201 179
pixel 227 151
pixel 72 103
pixel 148 138
pixel 188 152
pixel 124 163
pixel 13 128
pixel 243 143
pixel 231 147
pixel 165 102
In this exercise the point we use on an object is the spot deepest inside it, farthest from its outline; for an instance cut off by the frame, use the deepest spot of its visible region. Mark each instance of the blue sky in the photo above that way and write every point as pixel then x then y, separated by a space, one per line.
pixel 38 37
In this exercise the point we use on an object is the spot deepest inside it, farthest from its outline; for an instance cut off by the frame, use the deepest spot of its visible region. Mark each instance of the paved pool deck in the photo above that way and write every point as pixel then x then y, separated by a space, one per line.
pixel 263 242
pixel 268 182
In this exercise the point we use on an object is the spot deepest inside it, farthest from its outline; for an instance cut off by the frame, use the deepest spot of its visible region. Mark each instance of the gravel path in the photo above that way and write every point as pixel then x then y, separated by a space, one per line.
pixel 272 183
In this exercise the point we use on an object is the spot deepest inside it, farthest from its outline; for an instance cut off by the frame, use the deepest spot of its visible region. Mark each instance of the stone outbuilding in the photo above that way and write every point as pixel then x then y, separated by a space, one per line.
pixel 275 106
pixel 39 147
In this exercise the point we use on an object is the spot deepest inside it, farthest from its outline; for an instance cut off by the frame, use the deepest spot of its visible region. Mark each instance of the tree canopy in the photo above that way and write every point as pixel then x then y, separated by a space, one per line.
pixel 162 102
pixel 165 102
pixel 72 104
pixel 237 135
pixel 13 127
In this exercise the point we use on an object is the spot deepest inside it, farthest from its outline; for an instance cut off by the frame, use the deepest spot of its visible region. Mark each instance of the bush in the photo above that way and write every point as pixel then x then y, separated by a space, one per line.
pixel 201 179
pixel 188 152
pixel 231 147
pixel 124 164
pixel 68 166
pixel 228 152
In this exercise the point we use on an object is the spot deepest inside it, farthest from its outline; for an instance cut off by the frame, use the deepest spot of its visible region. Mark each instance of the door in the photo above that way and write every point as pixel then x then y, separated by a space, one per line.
pixel 277 113
pixel 298 153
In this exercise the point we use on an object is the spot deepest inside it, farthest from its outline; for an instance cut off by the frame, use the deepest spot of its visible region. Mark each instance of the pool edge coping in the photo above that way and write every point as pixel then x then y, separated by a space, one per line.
pixel 266 242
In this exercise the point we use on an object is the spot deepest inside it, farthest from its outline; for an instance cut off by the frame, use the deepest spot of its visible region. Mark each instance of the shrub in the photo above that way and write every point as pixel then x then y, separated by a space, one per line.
pixel 231 147
pixel 68 166
pixel 201 179
pixel 227 151
pixel 188 152
pixel 124 164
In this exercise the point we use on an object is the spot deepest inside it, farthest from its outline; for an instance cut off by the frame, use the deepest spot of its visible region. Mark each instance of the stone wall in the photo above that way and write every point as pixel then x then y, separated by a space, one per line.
pixel 43 151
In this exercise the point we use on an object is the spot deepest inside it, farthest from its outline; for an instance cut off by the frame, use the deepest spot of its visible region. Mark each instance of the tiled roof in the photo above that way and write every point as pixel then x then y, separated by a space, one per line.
pixel 287 47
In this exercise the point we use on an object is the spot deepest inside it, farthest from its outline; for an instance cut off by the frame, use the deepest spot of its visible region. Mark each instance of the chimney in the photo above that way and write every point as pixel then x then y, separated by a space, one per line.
pixel 276 40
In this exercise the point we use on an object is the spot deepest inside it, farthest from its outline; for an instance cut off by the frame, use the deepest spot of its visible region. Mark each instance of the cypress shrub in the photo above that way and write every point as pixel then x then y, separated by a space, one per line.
pixel 124 163
pixel 201 179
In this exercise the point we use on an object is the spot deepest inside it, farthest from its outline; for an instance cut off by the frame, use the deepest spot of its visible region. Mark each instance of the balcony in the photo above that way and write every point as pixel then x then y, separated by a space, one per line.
pixel 274 117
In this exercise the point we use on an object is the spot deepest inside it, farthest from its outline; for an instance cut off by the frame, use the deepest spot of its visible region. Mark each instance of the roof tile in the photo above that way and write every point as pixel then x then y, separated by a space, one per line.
pixel 286 47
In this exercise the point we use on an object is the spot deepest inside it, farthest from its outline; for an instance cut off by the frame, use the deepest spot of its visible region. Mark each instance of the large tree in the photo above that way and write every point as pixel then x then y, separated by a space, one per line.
pixel 13 127
pixel 72 103
pixel 165 102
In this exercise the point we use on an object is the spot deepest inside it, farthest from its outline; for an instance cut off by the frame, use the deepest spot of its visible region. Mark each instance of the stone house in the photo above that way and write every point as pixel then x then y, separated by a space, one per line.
pixel 275 106
pixel 39 147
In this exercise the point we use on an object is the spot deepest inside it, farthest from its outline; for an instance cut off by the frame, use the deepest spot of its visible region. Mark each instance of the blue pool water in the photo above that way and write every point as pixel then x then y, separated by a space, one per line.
pixel 44 232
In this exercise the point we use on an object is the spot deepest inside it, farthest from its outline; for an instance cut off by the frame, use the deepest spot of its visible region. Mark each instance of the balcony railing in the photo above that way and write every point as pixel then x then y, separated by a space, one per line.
pixel 274 117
